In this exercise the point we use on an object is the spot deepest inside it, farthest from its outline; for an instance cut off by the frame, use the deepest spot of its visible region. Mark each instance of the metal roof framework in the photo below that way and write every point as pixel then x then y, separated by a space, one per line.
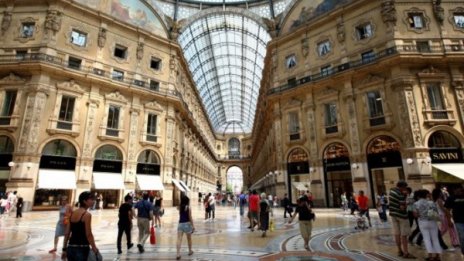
pixel 225 52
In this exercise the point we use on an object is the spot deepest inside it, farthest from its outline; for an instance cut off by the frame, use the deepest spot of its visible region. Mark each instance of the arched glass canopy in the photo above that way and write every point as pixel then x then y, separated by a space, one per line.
pixel 225 53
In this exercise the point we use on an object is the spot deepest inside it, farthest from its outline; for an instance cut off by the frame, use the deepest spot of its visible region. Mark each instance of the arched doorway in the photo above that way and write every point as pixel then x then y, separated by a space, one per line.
pixel 148 172
pixel 107 176
pixel 299 179
pixel 447 159
pixel 234 180
pixel 6 156
pixel 384 164
pixel 57 176
pixel 234 148
pixel 337 173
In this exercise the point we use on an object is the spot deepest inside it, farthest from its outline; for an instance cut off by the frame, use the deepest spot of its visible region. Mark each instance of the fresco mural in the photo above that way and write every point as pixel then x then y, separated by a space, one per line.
pixel 136 13
pixel 90 3
pixel 307 10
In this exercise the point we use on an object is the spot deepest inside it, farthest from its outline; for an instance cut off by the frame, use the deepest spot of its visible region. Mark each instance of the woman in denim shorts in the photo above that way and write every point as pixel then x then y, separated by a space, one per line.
pixel 185 224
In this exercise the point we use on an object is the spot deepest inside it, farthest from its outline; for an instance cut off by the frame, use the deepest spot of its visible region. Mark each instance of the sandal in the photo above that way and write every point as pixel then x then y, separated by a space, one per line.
pixel 52 251
pixel 190 253
pixel 409 256
pixel 400 253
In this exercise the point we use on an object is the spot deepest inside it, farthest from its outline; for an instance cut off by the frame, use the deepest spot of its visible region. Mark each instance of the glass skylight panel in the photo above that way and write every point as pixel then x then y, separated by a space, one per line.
pixel 223 60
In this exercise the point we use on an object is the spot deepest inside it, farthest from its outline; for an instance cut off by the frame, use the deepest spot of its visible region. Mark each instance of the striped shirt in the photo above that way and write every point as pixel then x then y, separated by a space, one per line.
pixel 397 204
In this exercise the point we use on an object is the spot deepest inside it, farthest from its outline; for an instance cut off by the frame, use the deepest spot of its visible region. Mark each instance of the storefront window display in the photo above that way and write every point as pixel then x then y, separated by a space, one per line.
pixel 337 173
pixel 298 173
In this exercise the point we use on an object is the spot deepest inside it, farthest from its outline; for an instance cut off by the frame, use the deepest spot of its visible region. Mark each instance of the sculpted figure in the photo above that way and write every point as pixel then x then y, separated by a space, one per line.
pixel 101 37
pixel 139 53
pixel 6 21
pixel 389 13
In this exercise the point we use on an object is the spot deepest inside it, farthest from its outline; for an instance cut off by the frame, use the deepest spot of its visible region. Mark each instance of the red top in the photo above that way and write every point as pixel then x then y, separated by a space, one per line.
pixel 254 202
pixel 362 202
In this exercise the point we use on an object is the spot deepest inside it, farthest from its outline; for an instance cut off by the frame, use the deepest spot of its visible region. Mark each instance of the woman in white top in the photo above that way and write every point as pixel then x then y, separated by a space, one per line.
pixel 426 212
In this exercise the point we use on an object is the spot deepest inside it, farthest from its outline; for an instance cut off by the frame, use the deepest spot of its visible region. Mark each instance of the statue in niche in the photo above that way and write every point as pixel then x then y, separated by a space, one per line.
pixel 174 26
pixel 6 21
pixel 53 21
pixel 340 31
pixel 438 11
pixel 389 13
pixel 102 37
pixel 305 46
pixel 139 53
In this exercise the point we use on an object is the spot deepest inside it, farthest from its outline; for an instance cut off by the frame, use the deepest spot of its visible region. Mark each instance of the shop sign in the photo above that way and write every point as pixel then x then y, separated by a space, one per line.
pixel 298 167
pixel 57 162
pixel 384 160
pixel 148 169
pixel 112 166
pixel 451 155
pixel 337 164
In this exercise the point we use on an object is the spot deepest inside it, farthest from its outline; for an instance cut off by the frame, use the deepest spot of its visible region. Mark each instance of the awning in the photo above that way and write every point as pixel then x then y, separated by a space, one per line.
pixel 179 186
pixel 301 185
pixel 455 169
pixel 149 182
pixel 56 179
pixel 186 188
pixel 103 180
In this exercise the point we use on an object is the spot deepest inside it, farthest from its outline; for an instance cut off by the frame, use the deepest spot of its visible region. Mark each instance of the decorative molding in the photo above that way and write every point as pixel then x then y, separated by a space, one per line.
pixel 153 105
pixel 363 21
pixel 452 12
pixel 70 86
pixel 388 13
pixel 371 80
pixel 81 28
pixel 116 97
pixel 6 21
pixel 101 37
pixel 12 78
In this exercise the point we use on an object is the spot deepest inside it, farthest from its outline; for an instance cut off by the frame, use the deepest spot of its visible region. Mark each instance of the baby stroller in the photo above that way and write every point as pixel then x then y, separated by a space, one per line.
pixel 361 223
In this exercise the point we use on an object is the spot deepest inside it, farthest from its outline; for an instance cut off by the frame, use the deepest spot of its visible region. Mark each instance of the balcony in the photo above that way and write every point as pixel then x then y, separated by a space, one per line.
pixel 233 157
pixel 439 117
pixel 377 120
pixel 331 129
pixel 56 126
pixel 150 139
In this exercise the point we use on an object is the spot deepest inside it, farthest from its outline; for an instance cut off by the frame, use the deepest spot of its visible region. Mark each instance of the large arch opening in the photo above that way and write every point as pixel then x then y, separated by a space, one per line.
pixel 299 179
pixel 234 180
pixel 107 177
pixel 6 156
pixel 385 165
pixel 337 173
pixel 57 177
pixel 446 158
pixel 149 172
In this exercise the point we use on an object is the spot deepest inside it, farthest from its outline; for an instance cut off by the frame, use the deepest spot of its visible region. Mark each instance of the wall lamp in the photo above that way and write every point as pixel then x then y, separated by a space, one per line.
pixel 427 160
pixel 11 164
pixel 312 170
pixel 28 166
pixel 409 161
pixel 354 166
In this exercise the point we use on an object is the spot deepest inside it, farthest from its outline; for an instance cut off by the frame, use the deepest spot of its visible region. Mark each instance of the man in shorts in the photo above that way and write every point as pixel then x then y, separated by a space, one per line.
pixel 254 209
pixel 399 216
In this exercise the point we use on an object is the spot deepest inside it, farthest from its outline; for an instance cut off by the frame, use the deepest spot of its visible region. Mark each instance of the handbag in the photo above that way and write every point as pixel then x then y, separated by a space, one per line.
pixel 161 212
pixel 432 214
pixel 271 225
pixel 94 256
pixel 152 236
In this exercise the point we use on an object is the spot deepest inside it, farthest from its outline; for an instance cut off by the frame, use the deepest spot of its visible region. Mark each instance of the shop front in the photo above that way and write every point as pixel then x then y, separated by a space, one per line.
pixel 6 156
pixel 447 160
pixel 384 164
pixel 56 177
pixel 337 173
pixel 148 173
pixel 299 179
pixel 108 181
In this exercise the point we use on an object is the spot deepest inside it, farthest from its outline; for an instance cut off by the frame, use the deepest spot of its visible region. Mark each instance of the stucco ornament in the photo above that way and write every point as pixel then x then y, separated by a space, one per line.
pixel 388 12
pixel 53 21
pixel 340 31
pixel 101 37
pixel 139 53
pixel 438 11
pixel 6 21
pixel 305 46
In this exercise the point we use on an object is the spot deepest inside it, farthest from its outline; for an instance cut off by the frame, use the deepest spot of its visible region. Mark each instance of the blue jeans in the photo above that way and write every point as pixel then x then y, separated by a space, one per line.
pixel 77 253
pixel 460 229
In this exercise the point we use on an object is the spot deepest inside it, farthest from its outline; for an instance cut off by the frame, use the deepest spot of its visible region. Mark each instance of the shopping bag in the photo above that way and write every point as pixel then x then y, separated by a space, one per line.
pixel 271 225
pixel 152 236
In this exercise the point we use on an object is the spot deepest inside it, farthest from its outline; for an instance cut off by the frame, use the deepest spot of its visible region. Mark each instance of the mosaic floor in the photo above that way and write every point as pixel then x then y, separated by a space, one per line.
pixel 227 238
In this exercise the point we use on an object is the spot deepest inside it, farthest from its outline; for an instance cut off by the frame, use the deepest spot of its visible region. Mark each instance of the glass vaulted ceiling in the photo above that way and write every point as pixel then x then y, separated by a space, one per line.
pixel 225 53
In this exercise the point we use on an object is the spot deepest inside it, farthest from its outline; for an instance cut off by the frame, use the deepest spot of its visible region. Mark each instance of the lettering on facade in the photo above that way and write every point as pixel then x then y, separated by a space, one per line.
pixel 445 156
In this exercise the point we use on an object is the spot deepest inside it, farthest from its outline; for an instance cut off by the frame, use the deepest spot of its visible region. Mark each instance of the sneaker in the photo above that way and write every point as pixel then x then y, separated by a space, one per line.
pixel 140 247
pixel 450 249
pixel 129 246
pixel 119 251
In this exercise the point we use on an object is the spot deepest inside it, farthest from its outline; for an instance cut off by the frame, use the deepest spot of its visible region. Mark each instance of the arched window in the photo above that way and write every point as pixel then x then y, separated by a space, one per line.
pixel 443 139
pixel 234 147
pixel 297 155
pixel 6 145
pixel 148 157
pixel 108 152
pixel 61 148
pixel 382 144
pixel 335 150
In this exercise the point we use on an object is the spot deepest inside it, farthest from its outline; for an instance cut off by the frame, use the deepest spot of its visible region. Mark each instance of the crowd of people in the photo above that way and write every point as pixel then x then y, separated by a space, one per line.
pixel 10 202
pixel 433 213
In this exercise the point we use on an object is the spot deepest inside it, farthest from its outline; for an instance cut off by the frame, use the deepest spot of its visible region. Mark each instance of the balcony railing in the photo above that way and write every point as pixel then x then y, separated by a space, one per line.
pixel 112 132
pixel 440 114
pixel 295 136
pixel 57 61
pixel 376 121
pixel 5 120
pixel 373 58
pixel 233 157
pixel 65 125
pixel 331 129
